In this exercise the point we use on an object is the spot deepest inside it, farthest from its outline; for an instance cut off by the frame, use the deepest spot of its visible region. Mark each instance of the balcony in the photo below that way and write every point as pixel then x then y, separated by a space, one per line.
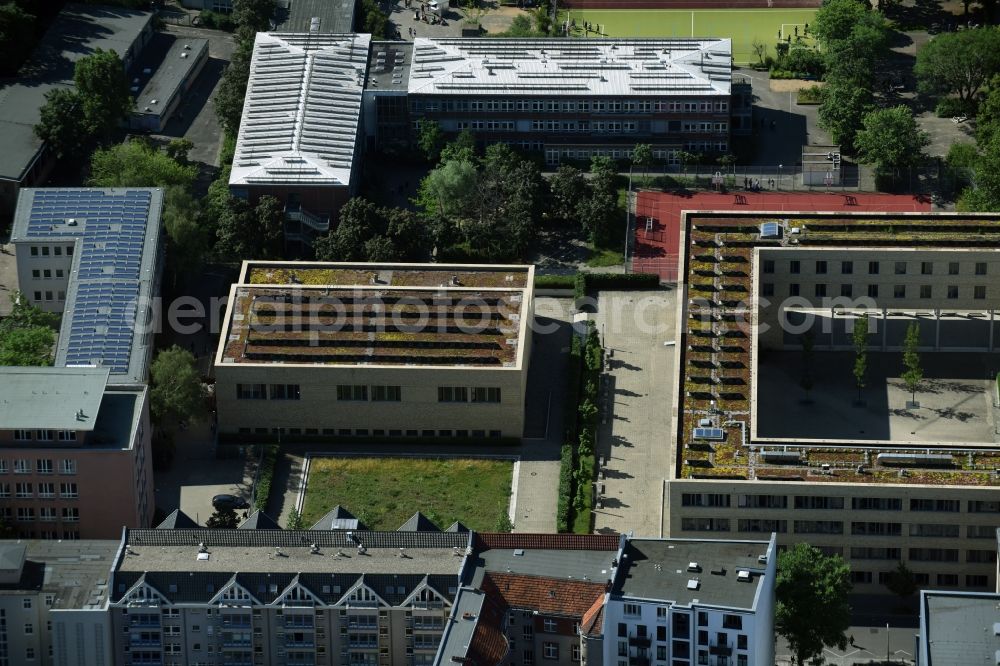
pixel 639 641
pixel 144 621
pixel 145 643
pixel 721 650
pixel 362 645
pixel 306 643
pixel 237 644
pixel 295 623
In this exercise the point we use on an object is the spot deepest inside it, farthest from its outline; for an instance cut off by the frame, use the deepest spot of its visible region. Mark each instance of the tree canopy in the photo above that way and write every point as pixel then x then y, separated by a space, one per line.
pixel 103 88
pixel 176 392
pixel 366 232
pixel 27 335
pixel 246 231
pixel 569 188
pixel 958 63
pixel 223 519
pixel 136 163
pixel 232 90
pixel 890 139
pixel 812 609
pixel 17 34
pixel 61 125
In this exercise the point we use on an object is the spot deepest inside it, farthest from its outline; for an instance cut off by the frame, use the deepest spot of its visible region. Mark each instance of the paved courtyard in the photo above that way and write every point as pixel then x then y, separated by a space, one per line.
pixel 955 398
pixel 634 438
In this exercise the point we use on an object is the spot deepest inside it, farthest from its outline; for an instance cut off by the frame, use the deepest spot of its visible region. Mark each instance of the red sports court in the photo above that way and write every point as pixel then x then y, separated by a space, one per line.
pixel 658 216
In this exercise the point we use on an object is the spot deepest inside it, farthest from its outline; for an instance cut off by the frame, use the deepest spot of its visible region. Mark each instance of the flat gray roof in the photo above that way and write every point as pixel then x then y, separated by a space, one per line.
pixel 960 628
pixel 461 626
pixel 302 110
pixel 658 569
pixel 571 67
pixel 51 398
pixel 75 572
pixel 335 16
pixel 180 59
pixel 581 565
pixel 389 66
pixel 77 32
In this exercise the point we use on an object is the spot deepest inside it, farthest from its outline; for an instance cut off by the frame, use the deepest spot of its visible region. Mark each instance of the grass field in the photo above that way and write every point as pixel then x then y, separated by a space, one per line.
pixel 384 492
pixel 743 26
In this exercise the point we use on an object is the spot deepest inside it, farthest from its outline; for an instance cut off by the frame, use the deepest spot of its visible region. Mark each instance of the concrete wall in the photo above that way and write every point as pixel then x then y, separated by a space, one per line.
pixel 81 637
pixel 968 523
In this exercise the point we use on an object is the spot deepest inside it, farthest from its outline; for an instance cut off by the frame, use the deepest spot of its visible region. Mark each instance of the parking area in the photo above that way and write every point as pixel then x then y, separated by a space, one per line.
pixel 196 476
pixel 639 330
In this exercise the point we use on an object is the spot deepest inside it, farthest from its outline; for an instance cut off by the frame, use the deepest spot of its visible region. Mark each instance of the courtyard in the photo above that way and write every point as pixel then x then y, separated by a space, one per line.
pixel 384 491
pixel 956 398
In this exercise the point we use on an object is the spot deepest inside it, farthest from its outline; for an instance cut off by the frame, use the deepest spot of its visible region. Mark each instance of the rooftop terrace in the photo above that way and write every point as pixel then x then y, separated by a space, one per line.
pixel 716 354
pixel 383 314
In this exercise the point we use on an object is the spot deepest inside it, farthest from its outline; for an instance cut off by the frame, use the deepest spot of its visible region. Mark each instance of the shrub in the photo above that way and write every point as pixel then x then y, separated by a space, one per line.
pixel 621 280
pixel 265 475
pixel 555 281
pixel 949 107
pixel 217 21
pixel 565 488
pixel 810 95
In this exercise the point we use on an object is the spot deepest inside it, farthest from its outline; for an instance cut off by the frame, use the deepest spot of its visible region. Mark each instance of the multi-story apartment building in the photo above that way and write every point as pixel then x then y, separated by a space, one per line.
pixel 570 99
pixel 74 453
pixel 75 439
pixel 757 449
pixel 53 601
pixel 376 351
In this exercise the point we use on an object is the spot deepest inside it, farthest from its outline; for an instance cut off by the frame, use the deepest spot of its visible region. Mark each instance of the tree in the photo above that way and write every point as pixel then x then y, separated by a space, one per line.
pixel 61 125
pixel 27 335
pixel 17 31
pixel 359 222
pixel 176 392
pixel 642 156
pixel 189 233
pixel 984 195
pixel 223 519
pixel 760 50
pixel 988 116
pixel 890 139
pixel 449 189
pixel 430 138
pixel 135 163
pixel 522 27
pixel 232 90
pixel 569 188
pixel 373 19
pixel 294 520
pixel 178 150
pixel 835 20
pixel 408 233
pixel 253 14
pixel 247 231
pixel 859 337
pixel 913 373
pixel 811 592
pixel 855 59
pixel 103 88
pixel 598 214
pixel 842 111
pixel 901 581
pixel 504 523
pixel 958 63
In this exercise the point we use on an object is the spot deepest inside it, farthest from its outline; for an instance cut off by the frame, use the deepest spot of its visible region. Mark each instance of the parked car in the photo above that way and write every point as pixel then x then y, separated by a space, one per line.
pixel 224 502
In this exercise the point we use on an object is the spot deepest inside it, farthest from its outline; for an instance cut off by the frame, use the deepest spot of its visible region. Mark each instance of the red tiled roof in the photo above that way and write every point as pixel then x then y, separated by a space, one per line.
pixel 489 645
pixel 593 619
pixel 546 595
pixel 488 540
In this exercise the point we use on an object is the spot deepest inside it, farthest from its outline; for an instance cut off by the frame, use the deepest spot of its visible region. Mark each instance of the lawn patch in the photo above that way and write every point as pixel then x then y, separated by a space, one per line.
pixel 384 492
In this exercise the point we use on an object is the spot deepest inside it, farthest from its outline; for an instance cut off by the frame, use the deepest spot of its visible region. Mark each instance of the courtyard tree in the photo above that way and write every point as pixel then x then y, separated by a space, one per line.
pixel 27 334
pixel 569 188
pixel 104 91
pixel 136 163
pixel 294 521
pixel 958 63
pixel 223 519
pixel 835 20
pixel 988 117
pixel 250 231
pixel 913 373
pixel 760 50
pixel 891 140
pixel 177 393
pixel 430 138
pixel 984 195
pixel 842 111
pixel 61 125
pixel 254 14
pixel 642 157
pixel 812 608
pixel 232 90
pixel 859 337
pixel 901 581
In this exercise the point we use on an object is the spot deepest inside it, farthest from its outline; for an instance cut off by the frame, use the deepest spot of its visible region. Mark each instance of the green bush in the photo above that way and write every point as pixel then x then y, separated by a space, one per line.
pixel 810 95
pixel 555 281
pixel 265 475
pixel 565 488
pixel 949 107
pixel 594 281
pixel 579 286
pixel 217 21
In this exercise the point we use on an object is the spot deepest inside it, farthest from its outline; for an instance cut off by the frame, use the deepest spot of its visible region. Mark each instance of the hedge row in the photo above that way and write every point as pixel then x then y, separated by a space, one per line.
pixel 587 282
pixel 589 413
pixel 554 281
pixel 564 505
pixel 262 490
pixel 565 488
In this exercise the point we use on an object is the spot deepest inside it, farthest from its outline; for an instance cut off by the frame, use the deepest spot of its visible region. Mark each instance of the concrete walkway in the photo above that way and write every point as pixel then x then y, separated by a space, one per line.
pixel 636 391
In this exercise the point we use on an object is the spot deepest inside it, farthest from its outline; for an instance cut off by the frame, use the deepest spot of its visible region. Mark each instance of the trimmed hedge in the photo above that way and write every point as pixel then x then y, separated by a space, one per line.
pixel 564 506
pixel 589 410
pixel 622 280
pixel 565 488
pixel 265 476
pixel 554 281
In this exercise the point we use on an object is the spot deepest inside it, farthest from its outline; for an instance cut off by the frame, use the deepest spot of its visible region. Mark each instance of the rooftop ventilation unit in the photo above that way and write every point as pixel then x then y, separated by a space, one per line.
pixel 743 576
pixel 694 566
pixel 693 584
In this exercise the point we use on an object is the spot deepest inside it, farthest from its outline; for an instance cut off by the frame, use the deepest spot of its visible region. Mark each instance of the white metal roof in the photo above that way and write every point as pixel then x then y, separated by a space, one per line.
pixel 546 67
pixel 300 118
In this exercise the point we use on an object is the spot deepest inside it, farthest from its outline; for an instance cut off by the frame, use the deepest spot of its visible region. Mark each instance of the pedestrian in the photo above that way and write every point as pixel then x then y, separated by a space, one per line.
pixel 746 183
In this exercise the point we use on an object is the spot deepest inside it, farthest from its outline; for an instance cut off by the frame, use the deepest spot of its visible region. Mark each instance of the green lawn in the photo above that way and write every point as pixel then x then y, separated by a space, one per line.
pixel 603 257
pixel 740 25
pixel 384 492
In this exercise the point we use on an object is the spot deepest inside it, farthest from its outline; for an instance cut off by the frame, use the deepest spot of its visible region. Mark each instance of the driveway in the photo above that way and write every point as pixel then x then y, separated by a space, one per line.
pixel 636 393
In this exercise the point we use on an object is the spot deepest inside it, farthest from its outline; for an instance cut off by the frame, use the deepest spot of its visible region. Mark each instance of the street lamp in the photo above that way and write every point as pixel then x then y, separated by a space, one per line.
pixel 780 166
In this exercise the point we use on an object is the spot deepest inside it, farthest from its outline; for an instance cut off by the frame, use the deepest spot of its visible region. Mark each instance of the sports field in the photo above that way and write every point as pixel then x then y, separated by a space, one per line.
pixel 743 26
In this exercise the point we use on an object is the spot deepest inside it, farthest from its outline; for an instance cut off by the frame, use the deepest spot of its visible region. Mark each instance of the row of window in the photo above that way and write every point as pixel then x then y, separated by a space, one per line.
pixel 921 579
pixel 874 267
pixel 46 274
pixel 43 250
pixel 820 290
pixel 264 392
pixel 49 296
pixel 571 106
pixel 45 490
pixel 49 534
pixel 44 465
pixel 364 393
pixel 21 435
pixel 857 503
pixel 26 514
pixel 376 432
pixel 689 524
